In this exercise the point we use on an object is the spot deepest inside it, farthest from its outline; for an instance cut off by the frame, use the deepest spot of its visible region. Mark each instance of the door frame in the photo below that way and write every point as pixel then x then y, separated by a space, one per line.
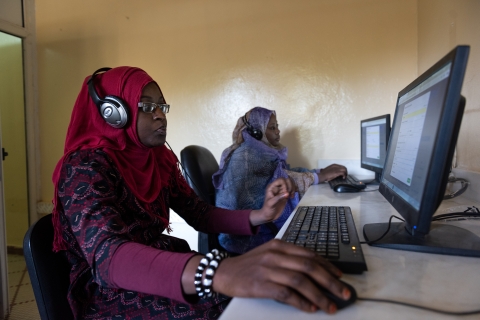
pixel 30 76
pixel 28 36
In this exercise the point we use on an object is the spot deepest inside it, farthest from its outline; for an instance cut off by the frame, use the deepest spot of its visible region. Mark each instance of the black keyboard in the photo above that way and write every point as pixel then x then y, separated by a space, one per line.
pixel 329 232
pixel 349 184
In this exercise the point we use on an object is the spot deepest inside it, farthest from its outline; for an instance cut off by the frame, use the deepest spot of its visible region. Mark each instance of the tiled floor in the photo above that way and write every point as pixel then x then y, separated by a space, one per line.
pixel 20 293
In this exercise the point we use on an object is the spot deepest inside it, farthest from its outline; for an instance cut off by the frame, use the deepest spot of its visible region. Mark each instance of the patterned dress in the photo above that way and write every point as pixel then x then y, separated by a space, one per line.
pixel 100 214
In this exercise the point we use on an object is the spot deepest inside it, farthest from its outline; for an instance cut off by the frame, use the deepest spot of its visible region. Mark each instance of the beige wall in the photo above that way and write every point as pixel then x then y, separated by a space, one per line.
pixel 442 25
pixel 319 64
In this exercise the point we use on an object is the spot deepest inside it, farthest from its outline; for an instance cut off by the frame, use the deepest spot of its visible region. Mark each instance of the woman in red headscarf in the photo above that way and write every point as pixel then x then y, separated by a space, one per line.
pixel 114 186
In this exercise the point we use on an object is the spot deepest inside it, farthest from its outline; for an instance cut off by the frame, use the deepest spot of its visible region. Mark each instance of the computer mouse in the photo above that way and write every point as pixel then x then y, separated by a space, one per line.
pixel 346 188
pixel 339 302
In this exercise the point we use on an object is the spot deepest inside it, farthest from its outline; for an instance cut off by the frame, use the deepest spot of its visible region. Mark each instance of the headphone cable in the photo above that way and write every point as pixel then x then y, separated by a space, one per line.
pixel 453 313
pixel 185 174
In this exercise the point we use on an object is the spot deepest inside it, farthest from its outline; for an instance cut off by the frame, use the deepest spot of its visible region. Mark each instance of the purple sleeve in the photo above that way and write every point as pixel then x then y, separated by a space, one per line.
pixel 230 221
pixel 139 267
pixel 114 253
pixel 142 268
pixel 315 178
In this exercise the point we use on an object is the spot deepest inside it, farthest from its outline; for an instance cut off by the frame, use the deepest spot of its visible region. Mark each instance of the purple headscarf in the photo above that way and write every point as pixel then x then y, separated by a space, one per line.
pixel 258 118
pixel 246 168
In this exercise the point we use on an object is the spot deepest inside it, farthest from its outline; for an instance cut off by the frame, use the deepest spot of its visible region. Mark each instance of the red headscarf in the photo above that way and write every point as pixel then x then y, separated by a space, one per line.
pixel 145 170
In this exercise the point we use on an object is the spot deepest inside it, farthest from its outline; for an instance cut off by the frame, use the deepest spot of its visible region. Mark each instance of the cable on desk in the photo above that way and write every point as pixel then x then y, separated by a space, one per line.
pixel 454 216
pixel 383 235
pixel 436 218
pixel 470 212
pixel 453 313
pixel 440 217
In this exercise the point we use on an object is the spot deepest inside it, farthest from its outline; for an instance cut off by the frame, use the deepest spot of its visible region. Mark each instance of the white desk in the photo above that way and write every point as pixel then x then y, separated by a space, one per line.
pixel 437 281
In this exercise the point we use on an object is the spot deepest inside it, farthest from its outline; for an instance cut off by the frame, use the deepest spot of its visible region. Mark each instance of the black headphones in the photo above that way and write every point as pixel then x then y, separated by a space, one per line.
pixel 111 108
pixel 257 134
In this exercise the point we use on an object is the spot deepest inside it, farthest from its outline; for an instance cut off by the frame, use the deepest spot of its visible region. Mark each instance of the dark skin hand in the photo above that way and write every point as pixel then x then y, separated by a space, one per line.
pixel 331 172
pixel 276 269
pixel 283 272
pixel 276 196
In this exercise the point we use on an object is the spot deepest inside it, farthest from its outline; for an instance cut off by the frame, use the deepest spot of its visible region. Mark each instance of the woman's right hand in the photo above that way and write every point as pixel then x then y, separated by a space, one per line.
pixel 276 196
pixel 283 272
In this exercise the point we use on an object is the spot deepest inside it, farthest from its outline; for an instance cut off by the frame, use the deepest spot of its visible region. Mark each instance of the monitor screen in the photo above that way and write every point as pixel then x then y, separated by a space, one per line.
pixel 423 137
pixel 374 135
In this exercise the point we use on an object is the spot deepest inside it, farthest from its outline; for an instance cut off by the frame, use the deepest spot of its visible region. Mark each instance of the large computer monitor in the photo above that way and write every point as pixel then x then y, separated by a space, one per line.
pixel 422 141
pixel 374 135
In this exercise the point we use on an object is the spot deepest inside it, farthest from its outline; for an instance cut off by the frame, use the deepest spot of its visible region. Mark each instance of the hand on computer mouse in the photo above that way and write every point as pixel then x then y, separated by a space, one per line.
pixel 283 272
pixel 339 302
pixel 331 172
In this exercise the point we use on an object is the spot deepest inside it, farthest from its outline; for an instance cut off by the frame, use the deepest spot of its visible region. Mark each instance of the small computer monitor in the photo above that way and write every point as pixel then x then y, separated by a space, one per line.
pixel 422 141
pixel 374 135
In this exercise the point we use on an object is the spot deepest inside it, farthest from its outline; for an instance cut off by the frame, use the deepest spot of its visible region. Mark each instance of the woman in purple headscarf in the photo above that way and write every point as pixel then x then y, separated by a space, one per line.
pixel 255 159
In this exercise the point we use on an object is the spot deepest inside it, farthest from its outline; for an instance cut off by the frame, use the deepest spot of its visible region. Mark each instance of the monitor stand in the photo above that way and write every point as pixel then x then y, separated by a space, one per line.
pixel 373 182
pixel 442 239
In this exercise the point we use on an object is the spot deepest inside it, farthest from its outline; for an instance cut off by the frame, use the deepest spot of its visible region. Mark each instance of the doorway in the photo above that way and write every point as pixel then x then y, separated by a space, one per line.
pixel 13 151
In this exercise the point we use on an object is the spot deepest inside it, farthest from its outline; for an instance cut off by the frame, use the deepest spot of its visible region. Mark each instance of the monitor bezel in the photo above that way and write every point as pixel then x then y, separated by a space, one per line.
pixel 388 128
pixel 418 221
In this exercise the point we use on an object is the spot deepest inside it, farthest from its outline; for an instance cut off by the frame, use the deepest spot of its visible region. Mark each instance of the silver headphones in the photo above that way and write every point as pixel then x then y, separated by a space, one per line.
pixel 111 108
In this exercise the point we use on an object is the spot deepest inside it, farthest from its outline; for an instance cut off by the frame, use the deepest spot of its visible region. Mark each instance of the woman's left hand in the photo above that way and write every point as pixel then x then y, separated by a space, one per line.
pixel 276 196
pixel 331 172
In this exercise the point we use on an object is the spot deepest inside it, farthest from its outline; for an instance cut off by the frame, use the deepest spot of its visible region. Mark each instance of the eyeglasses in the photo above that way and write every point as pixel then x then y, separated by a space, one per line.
pixel 149 107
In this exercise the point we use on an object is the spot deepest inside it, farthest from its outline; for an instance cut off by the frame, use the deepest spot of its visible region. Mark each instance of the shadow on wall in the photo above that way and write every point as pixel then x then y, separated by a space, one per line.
pixel 60 90
pixel 291 139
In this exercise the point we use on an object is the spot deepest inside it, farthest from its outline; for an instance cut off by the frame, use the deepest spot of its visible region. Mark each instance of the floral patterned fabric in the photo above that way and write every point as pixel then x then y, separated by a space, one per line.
pixel 98 214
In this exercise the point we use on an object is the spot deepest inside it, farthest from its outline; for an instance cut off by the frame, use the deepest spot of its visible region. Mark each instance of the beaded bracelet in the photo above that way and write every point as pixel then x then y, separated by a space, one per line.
pixel 209 263
pixel 199 274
